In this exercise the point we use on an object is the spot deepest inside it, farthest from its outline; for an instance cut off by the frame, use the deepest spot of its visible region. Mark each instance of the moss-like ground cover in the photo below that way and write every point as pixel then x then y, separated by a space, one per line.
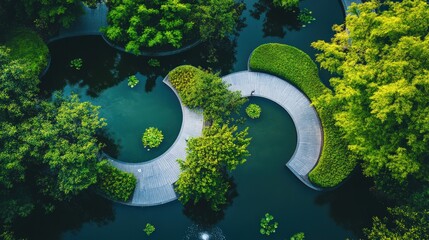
pixel 295 66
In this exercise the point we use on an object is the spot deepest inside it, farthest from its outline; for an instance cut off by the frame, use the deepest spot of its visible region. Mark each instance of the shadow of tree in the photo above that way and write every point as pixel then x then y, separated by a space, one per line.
pixel 353 205
pixel 201 212
pixel 277 20
pixel 88 207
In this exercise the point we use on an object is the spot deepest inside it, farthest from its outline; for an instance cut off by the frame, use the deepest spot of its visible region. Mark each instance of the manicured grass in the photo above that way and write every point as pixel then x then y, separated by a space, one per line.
pixel 298 68
pixel 28 46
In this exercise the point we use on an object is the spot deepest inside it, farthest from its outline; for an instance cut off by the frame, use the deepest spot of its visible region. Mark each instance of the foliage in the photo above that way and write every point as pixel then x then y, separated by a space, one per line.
pixel 380 99
pixel 45 14
pixel 115 183
pixel 152 137
pixel 199 89
pixel 253 111
pixel 403 223
pixel 286 4
pixel 149 229
pixel 29 47
pixel 204 172
pixel 154 62
pixel 140 23
pixel 293 65
pixel 298 236
pixel 305 17
pixel 267 227
pixel 133 81
pixel 76 63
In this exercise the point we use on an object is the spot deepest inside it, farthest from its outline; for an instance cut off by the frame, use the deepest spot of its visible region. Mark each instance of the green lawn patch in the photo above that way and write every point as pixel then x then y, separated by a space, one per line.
pixel 298 68
pixel 28 46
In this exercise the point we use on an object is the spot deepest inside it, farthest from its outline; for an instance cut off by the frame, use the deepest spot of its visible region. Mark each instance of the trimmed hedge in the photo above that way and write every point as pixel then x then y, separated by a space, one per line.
pixel 114 183
pixel 287 62
pixel 28 46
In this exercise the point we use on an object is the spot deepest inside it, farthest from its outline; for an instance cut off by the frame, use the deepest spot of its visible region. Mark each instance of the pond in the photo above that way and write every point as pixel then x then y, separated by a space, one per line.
pixel 263 184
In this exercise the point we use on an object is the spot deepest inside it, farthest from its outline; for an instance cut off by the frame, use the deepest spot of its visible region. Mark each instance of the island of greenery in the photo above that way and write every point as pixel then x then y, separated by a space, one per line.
pixel 137 24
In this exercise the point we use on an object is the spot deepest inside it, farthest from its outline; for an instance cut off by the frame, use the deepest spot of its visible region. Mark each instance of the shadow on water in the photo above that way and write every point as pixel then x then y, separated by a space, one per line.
pixel 277 20
pixel 352 206
pixel 111 146
pixel 104 67
pixel 202 214
pixel 68 216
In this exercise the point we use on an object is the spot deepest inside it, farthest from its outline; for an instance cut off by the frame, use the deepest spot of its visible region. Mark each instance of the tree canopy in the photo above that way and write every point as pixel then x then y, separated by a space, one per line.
pixel 204 173
pixel 380 94
pixel 49 148
pixel 145 24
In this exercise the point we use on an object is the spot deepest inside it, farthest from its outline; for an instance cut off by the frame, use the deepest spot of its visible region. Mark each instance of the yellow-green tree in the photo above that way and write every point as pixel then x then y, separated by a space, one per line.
pixel 380 94
pixel 204 175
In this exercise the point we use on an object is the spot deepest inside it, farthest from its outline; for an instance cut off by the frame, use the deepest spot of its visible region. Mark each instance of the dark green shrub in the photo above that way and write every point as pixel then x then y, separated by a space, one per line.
pixel 29 47
pixel 295 66
pixel 253 111
pixel 115 183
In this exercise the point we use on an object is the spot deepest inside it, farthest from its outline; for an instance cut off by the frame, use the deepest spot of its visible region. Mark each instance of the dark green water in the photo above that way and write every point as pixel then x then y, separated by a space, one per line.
pixel 262 185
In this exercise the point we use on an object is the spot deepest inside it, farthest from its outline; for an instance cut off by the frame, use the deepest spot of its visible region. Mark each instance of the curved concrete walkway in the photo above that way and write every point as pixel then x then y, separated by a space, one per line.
pixel 304 116
pixel 155 178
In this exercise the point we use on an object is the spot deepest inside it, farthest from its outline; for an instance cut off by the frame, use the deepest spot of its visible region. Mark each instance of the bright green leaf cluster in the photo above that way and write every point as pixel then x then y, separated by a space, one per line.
pixel 152 137
pixel 253 111
pixel 133 81
pixel 209 157
pixel 149 229
pixel 380 94
pixel 267 227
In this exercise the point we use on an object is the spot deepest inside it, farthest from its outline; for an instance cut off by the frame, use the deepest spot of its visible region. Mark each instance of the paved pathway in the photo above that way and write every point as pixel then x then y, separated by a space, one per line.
pixel 155 178
pixel 304 116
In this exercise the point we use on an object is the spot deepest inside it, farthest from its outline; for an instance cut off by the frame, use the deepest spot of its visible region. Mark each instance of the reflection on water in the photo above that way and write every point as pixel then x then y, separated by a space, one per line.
pixel 276 19
pixel 196 232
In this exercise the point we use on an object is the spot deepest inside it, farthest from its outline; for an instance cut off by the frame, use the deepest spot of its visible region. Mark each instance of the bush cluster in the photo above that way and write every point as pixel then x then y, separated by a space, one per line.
pixel 115 183
pixel 253 111
pixel 200 89
pixel 295 66
pixel 27 45
pixel 152 137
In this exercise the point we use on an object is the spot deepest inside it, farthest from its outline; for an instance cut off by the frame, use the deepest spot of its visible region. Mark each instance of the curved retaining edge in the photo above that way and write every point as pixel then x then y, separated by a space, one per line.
pixel 304 116
pixel 154 54
pixel 156 177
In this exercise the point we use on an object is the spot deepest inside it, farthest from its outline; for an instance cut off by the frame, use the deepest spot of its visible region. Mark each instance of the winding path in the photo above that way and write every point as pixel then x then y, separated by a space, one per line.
pixel 304 116
pixel 155 178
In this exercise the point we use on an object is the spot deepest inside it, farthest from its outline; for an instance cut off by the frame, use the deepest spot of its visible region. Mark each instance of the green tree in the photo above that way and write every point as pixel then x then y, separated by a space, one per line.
pixel 403 223
pixel 144 24
pixel 380 96
pixel 204 175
